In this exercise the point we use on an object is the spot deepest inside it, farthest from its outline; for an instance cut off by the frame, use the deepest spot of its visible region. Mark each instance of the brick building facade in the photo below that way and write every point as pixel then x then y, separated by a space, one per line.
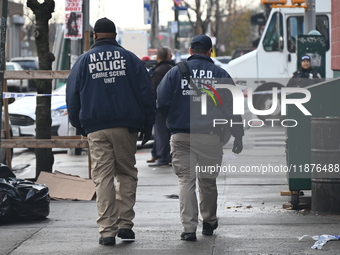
pixel 335 44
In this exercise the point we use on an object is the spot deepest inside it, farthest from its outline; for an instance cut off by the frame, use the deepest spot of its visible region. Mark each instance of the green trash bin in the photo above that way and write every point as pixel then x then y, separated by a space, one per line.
pixel 298 154
pixel 325 157
pixel 324 102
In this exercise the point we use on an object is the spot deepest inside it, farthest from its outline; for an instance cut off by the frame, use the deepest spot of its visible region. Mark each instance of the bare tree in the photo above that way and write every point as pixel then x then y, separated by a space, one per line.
pixel 202 17
pixel 234 30
pixel 43 13
pixel 222 19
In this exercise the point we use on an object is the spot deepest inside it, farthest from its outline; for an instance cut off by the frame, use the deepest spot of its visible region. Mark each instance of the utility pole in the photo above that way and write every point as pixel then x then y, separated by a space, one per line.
pixel 3 23
pixel 3 26
pixel 176 9
pixel 77 47
pixel 86 25
pixel 310 22
pixel 154 24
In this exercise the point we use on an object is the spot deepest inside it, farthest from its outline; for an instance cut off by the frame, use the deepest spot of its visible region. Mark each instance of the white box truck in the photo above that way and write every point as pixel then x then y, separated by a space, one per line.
pixel 135 41
pixel 273 62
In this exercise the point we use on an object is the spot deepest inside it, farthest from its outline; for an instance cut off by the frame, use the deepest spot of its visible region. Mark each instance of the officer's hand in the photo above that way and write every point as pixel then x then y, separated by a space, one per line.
pixel 146 133
pixel 238 145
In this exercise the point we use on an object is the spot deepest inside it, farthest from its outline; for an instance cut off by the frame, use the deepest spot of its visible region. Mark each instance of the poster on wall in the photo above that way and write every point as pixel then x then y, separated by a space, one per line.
pixel 74 25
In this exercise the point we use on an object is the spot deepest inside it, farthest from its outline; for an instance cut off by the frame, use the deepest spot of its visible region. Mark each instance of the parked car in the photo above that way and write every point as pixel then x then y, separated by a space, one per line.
pixel 28 63
pixel 22 114
pixel 16 85
pixel 148 62
pixel 3 150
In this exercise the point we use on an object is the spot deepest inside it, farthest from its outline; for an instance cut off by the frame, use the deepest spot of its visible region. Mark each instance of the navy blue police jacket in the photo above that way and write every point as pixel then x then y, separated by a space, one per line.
pixel 181 103
pixel 109 87
pixel 304 77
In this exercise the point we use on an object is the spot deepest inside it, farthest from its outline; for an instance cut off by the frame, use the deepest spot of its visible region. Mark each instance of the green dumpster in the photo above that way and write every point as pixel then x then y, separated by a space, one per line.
pixel 324 102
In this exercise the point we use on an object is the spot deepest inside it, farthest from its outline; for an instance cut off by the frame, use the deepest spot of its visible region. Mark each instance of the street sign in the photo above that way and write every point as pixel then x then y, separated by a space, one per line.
pixel 147 13
pixel 74 25
pixel 73 5
pixel 180 8
pixel 178 2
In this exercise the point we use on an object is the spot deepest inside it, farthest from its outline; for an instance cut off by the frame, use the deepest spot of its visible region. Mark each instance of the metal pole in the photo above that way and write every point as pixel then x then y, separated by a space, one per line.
pixel 76 49
pixel 177 46
pixel 86 25
pixel 154 24
pixel 3 27
pixel 310 23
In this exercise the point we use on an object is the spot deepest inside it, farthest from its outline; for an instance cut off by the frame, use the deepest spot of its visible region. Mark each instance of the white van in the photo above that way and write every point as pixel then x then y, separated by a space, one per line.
pixel 28 63
pixel 274 61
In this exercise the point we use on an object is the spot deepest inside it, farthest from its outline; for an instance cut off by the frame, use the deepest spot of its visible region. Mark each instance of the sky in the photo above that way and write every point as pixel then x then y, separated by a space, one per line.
pixel 128 13
pixel 124 13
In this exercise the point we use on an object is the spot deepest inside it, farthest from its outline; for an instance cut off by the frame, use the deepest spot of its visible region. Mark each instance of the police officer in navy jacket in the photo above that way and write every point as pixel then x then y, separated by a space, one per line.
pixel 110 99
pixel 196 144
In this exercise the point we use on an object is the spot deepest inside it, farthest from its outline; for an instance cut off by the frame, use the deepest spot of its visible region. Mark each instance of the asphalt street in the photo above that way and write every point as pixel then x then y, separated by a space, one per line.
pixel 252 219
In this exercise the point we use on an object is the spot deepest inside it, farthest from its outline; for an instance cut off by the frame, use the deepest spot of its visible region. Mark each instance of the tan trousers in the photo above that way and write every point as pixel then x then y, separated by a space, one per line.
pixel 192 154
pixel 113 157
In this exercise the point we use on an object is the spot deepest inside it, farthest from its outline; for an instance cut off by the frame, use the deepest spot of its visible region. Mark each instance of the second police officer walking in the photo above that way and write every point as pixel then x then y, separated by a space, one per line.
pixel 195 144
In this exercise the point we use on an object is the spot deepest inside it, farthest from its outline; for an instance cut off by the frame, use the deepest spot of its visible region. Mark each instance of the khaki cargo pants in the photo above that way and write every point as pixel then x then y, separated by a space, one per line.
pixel 192 155
pixel 113 159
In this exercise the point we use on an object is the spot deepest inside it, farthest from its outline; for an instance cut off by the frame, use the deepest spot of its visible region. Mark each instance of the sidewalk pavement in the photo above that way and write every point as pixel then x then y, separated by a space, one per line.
pixel 251 217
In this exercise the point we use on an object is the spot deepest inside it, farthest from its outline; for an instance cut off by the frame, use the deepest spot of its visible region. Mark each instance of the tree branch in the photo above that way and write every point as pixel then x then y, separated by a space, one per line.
pixel 41 8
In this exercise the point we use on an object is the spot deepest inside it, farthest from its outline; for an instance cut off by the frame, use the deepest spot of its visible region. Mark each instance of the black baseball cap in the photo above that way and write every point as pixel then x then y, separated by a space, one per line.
pixel 305 57
pixel 201 42
pixel 104 25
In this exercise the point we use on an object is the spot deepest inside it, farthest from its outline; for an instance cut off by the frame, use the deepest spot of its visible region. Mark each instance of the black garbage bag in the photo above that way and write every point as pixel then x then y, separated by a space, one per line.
pixel 28 200
pixel 5 171
pixel 5 208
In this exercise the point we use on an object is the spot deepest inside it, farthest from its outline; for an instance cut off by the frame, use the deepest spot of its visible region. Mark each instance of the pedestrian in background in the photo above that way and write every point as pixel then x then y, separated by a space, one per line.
pixel 305 76
pixel 195 143
pixel 161 131
pixel 110 99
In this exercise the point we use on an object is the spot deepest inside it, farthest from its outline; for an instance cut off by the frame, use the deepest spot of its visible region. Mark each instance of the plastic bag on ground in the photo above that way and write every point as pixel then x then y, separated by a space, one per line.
pixel 28 201
pixel 6 172
pixel 320 240
pixel 5 207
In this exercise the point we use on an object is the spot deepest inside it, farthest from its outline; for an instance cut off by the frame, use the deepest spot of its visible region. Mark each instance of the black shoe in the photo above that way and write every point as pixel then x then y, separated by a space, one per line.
pixel 107 240
pixel 126 234
pixel 208 230
pixel 188 236
pixel 159 165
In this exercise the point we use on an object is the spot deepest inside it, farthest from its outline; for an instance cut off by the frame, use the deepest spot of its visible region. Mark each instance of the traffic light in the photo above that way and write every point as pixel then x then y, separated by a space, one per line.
pixel 273 1
pixel 298 1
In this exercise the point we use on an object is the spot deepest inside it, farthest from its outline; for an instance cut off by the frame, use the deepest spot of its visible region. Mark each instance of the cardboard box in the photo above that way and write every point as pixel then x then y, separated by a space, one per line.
pixel 66 186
